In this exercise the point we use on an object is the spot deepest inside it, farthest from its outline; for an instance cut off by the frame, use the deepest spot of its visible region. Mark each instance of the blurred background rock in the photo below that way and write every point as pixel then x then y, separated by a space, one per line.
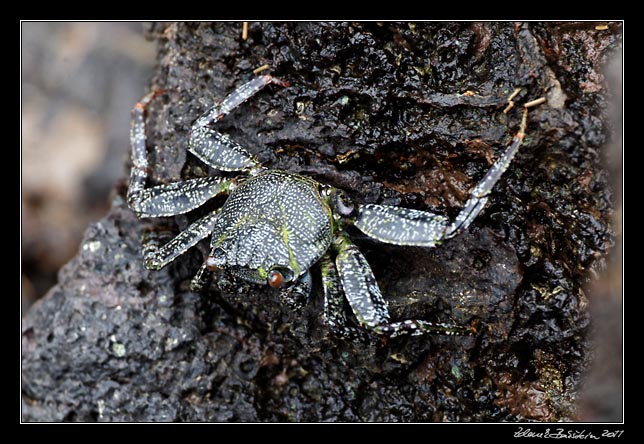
pixel 79 82
pixel 602 398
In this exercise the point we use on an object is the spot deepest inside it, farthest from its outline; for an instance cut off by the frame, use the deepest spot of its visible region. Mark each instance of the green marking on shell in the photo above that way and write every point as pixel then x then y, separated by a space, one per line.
pixel 291 257
pixel 274 219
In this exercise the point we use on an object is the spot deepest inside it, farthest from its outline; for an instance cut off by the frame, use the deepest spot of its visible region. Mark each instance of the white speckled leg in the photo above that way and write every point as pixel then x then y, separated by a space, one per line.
pixel 201 278
pixel 177 197
pixel 167 199
pixel 480 193
pixel 416 327
pixel 403 226
pixel 334 312
pixel 216 149
pixel 366 301
pixel 158 257
pixel 359 285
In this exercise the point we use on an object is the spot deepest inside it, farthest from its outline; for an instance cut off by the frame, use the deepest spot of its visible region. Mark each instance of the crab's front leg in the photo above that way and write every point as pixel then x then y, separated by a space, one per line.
pixel 402 226
pixel 479 196
pixel 366 301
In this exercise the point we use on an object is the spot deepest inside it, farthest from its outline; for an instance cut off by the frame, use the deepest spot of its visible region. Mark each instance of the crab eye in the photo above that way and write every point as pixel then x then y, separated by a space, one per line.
pixel 275 279
pixel 343 205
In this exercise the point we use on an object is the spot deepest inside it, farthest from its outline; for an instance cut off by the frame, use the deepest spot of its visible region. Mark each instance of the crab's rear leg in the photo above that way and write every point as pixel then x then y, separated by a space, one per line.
pixel 367 303
pixel 167 199
pixel 200 279
pixel 216 149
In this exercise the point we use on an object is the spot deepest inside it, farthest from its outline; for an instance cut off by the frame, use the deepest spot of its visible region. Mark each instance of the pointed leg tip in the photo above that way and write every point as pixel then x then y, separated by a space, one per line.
pixel 475 327
pixel 270 79
pixel 145 101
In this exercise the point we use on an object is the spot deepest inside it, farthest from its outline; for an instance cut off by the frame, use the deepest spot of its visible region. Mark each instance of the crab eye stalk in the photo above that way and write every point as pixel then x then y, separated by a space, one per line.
pixel 275 279
pixel 343 205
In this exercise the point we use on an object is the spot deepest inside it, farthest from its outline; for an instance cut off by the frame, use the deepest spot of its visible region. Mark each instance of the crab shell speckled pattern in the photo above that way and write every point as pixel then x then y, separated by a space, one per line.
pixel 276 219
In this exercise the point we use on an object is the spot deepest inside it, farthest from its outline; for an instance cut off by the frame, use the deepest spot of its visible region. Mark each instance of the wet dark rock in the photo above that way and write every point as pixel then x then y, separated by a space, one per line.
pixel 375 109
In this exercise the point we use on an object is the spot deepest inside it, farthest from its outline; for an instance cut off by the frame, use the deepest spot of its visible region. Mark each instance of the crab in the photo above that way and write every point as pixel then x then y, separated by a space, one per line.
pixel 276 225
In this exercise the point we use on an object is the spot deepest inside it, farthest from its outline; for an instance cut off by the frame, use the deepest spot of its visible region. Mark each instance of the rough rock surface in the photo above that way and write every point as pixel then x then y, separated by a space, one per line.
pixel 381 110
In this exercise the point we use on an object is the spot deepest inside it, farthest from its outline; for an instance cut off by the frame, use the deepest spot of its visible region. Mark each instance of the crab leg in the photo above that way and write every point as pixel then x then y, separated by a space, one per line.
pixel 200 279
pixel 140 166
pixel 367 303
pixel 216 149
pixel 177 197
pixel 481 192
pixel 167 199
pixel 359 284
pixel 416 327
pixel 158 257
pixel 334 313
pixel 246 91
pixel 402 226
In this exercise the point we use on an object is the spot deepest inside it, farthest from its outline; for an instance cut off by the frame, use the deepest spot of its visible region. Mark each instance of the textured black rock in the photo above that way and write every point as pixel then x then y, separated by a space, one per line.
pixel 380 110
